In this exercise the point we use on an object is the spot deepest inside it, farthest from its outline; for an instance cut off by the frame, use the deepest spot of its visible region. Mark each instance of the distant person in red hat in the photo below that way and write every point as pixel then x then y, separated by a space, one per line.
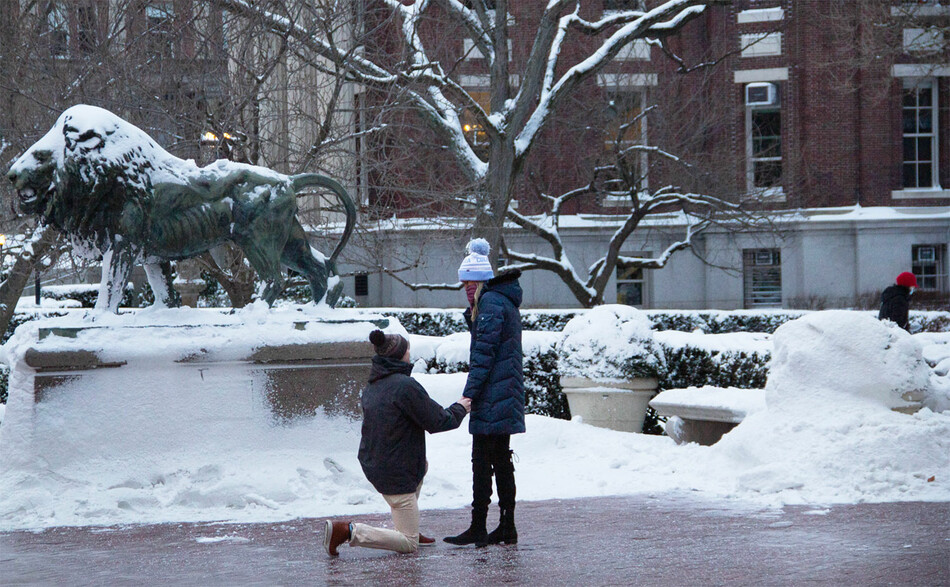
pixel 895 300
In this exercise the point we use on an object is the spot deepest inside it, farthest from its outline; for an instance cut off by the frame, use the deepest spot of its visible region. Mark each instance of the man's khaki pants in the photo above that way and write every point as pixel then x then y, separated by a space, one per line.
pixel 405 538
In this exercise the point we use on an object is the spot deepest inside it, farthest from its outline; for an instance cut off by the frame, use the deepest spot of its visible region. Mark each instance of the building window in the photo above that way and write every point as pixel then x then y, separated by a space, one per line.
pixel 57 22
pixel 624 126
pixel 88 28
pixel 361 284
pixel 631 283
pixel 764 148
pixel 762 278
pixel 474 132
pixel 920 134
pixel 929 265
pixel 159 20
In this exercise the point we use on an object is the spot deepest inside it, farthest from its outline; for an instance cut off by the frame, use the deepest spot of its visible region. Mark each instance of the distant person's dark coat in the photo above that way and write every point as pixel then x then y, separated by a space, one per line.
pixel 895 304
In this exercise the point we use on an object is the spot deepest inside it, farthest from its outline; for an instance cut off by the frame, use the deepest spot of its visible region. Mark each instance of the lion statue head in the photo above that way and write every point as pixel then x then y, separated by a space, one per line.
pixel 82 174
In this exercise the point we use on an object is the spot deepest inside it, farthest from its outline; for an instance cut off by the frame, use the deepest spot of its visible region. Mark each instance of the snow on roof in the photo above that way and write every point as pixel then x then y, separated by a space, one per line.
pixel 856 214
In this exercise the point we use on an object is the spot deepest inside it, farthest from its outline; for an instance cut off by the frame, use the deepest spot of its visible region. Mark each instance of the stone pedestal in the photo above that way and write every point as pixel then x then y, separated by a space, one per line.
pixel 292 381
pixel 616 405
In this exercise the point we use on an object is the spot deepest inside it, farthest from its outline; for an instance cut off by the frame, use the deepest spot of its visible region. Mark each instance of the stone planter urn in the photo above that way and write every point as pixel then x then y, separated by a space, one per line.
pixel 609 366
pixel 617 405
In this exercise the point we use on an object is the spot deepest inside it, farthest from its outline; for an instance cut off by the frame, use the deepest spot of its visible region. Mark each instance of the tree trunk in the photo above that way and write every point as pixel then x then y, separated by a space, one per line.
pixel 12 287
pixel 493 201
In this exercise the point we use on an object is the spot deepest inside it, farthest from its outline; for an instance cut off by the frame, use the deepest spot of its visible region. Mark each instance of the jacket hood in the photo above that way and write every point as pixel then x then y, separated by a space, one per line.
pixel 384 367
pixel 895 291
pixel 507 285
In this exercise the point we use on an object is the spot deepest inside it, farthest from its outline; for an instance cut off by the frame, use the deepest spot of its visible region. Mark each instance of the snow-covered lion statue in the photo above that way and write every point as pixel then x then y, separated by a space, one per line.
pixel 108 186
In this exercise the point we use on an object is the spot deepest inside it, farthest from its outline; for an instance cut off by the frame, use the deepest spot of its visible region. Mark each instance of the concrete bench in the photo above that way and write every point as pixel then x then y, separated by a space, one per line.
pixel 704 414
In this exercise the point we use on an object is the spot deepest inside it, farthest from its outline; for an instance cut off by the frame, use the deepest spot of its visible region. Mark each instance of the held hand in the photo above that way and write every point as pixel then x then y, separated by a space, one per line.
pixel 466 403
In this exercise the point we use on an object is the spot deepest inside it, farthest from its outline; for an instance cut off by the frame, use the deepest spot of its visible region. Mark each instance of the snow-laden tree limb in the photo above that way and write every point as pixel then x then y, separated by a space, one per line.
pixel 515 117
pixel 698 211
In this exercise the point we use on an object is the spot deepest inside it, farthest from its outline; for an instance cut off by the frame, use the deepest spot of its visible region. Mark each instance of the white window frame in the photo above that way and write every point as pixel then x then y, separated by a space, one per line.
pixel 643 280
pixel 912 84
pixel 938 262
pixel 761 44
pixel 641 91
pixel 775 193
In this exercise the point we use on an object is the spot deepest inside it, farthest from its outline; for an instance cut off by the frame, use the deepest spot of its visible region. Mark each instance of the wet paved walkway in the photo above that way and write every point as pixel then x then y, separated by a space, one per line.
pixel 638 540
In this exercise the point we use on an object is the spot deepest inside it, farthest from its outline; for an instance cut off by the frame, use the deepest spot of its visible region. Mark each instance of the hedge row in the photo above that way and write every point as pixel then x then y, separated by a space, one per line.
pixel 86 295
pixel 685 367
pixel 445 322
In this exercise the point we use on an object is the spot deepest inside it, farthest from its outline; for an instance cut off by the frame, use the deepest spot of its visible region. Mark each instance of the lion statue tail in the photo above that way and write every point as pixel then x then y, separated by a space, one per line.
pixel 305 180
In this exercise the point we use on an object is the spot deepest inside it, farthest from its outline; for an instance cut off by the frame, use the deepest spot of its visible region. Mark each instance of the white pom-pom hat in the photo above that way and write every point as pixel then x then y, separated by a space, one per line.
pixel 475 267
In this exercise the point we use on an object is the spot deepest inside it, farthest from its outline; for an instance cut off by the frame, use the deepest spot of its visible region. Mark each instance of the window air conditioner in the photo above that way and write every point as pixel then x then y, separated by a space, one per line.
pixel 761 94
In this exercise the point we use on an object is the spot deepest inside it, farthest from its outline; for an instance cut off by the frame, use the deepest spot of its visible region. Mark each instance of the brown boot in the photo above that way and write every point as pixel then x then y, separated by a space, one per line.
pixel 426 541
pixel 335 534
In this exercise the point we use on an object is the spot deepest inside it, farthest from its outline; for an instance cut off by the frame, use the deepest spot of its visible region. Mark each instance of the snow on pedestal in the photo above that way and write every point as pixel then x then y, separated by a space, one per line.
pixel 843 357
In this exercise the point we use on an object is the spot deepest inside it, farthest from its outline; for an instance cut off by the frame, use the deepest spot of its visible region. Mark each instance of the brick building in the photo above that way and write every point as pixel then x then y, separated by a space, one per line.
pixel 835 114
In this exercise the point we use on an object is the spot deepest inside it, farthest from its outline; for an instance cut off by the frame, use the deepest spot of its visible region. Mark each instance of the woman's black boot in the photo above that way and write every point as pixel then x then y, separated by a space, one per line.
pixel 505 533
pixel 476 534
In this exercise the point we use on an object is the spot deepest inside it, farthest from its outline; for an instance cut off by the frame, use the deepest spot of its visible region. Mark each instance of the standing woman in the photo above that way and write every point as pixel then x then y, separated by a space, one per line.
pixel 496 387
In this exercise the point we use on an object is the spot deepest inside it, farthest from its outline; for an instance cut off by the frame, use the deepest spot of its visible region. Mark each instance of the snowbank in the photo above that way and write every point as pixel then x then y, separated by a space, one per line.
pixel 843 357
pixel 829 429
pixel 821 439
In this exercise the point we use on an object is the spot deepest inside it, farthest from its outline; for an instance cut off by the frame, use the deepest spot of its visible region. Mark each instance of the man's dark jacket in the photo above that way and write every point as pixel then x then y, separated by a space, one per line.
pixel 397 412
pixel 496 373
pixel 895 303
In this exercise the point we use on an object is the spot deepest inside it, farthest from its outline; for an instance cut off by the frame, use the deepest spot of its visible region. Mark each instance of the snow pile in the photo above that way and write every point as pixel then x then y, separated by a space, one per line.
pixel 610 342
pixel 845 357
pixel 172 334
pixel 747 342
pixel 819 439
pixel 740 402
pixel 828 432
pixel 936 351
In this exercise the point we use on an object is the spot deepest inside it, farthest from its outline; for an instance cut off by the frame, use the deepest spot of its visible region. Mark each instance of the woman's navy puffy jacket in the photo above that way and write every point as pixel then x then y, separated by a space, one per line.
pixel 496 374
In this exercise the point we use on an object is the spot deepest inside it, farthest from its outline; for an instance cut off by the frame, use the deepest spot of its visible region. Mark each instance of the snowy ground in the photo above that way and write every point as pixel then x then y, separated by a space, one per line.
pixel 828 435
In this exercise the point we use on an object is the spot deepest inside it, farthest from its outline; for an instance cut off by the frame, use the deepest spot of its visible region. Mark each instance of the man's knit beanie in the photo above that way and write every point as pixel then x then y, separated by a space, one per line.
pixel 393 346
pixel 475 267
